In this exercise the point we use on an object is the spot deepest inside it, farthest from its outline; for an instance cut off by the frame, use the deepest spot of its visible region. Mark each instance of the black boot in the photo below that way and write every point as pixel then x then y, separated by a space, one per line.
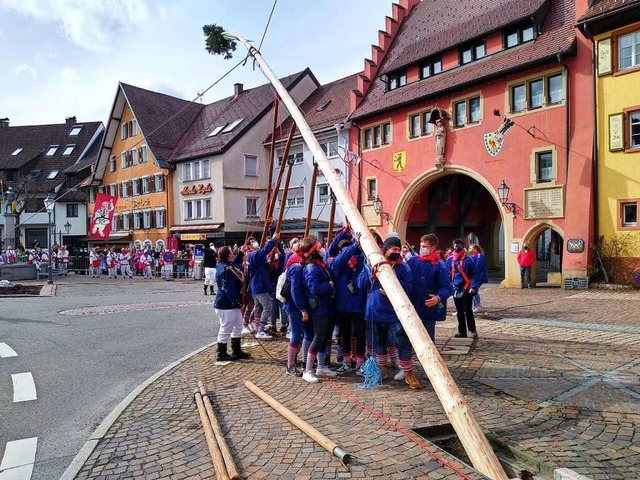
pixel 222 353
pixel 211 289
pixel 205 289
pixel 237 353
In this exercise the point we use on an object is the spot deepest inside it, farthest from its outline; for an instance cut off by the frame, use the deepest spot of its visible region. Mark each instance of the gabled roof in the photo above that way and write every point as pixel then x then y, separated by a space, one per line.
pixel 35 141
pixel 162 119
pixel 90 157
pixel 558 37
pixel 605 15
pixel 325 107
pixel 249 106
pixel 434 26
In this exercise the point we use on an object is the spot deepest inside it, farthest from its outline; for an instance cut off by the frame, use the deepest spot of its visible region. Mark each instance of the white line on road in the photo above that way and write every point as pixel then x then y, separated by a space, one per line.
pixel 24 388
pixel 18 459
pixel 7 351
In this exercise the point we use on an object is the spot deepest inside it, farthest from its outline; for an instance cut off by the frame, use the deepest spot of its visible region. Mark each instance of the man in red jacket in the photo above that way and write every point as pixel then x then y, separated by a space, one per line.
pixel 526 257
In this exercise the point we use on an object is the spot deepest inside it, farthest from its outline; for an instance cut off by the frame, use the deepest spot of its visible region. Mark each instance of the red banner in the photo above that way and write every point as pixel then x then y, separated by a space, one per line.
pixel 102 215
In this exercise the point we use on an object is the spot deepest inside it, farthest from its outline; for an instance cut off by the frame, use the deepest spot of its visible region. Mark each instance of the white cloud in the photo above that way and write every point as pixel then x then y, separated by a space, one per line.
pixel 68 74
pixel 24 68
pixel 163 12
pixel 91 24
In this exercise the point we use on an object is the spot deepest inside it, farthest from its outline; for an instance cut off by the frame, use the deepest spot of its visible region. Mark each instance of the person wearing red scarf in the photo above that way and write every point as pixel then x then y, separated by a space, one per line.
pixel 465 283
pixel 431 284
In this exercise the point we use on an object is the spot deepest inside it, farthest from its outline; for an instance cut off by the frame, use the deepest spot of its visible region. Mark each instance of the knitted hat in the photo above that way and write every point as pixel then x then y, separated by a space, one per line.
pixel 293 241
pixel 391 242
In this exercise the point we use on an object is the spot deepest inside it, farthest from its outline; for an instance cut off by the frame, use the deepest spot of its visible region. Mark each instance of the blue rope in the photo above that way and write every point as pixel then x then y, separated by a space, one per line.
pixel 372 374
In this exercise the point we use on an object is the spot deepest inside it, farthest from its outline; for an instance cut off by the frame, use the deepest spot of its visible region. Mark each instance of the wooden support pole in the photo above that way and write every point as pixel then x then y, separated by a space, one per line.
pixel 285 155
pixel 216 455
pixel 312 195
pixel 232 469
pixel 285 194
pixel 272 152
pixel 455 405
pixel 322 440
pixel 332 216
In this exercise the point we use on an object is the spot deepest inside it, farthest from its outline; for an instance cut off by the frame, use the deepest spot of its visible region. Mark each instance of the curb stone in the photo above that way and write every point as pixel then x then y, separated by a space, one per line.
pixel 87 449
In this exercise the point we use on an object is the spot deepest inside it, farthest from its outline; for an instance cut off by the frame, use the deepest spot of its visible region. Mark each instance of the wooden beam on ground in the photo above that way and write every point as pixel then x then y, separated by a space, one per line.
pixel 216 456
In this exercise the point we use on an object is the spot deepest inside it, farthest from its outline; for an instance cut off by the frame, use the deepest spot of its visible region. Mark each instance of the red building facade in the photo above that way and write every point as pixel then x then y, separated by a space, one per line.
pixel 511 83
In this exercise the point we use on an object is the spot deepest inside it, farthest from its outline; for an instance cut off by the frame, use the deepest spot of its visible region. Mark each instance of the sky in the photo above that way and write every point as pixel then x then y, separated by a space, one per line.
pixel 62 58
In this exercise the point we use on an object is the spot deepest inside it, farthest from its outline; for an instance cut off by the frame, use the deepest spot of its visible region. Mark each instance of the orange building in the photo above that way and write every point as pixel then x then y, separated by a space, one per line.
pixel 462 99
pixel 142 131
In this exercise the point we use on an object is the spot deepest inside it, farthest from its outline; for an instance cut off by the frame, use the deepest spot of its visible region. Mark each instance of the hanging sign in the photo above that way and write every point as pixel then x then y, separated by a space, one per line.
pixel 399 161
pixel 493 141
pixel 201 189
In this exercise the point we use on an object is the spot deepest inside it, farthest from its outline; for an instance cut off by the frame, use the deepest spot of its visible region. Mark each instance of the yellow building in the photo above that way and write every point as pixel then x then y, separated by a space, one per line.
pixel 614 29
pixel 143 129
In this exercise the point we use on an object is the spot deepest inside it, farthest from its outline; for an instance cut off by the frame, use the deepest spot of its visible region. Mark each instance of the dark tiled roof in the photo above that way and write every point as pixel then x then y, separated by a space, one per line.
pixel 558 37
pixel 163 119
pixel 603 7
pixel 337 93
pixel 90 157
pixel 438 25
pixel 35 141
pixel 250 105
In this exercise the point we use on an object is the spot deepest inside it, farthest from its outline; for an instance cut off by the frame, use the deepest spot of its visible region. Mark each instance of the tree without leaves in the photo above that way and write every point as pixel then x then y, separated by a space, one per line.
pixel 216 43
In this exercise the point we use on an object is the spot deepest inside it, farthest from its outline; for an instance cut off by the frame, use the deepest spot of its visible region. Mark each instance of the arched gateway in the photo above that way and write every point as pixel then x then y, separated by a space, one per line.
pixel 459 202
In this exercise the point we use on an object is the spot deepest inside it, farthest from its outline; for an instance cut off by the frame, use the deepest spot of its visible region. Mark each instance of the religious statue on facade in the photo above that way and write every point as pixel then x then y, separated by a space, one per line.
pixel 10 206
pixel 441 140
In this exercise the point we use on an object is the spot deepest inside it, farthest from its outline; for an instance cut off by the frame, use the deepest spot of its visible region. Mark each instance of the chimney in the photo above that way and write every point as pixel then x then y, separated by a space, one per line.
pixel 237 89
pixel 70 120
pixel 4 122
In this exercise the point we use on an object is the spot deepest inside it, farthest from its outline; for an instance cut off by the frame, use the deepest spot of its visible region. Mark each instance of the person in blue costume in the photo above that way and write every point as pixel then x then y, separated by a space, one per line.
pixel 431 284
pixel 465 283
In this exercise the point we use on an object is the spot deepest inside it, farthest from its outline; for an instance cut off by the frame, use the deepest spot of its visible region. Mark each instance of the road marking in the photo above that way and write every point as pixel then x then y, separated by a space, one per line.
pixel 7 351
pixel 24 388
pixel 18 459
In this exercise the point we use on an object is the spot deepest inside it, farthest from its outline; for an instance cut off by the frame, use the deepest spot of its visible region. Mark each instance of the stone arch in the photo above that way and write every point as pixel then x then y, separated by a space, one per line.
pixel 531 237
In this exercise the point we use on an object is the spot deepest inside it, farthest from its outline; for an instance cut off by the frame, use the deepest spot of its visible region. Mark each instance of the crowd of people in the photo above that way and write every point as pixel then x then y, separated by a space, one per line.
pixel 320 293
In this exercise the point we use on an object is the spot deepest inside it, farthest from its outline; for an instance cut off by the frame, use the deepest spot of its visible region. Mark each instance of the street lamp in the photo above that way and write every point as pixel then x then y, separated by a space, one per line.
pixel 67 229
pixel 377 205
pixel 503 195
pixel 49 203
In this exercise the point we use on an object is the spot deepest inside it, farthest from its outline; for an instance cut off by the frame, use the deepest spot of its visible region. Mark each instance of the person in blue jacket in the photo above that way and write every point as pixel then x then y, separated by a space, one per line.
pixel 431 284
pixel 227 306
pixel 382 317
pixel 477 253
pixel 350 300
pixel 465 283
pixel 297 310
pixel 318 288
pixel 261 287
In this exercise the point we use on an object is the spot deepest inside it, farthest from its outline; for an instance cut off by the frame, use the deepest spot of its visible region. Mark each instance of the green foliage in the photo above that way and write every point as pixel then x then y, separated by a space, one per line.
pixel 216 43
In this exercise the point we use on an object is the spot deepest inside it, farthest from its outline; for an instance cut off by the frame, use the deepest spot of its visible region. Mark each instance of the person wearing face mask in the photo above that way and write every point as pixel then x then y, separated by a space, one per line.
pixel 383 319
pixel 526 258
pixel 431 284
pixel 465 283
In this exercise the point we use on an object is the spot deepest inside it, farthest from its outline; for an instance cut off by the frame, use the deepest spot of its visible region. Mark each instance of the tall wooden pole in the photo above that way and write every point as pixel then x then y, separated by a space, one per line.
pixel 285 193
pixel 455 405
pixel 332 216
pixel 272 153
pixel 312 196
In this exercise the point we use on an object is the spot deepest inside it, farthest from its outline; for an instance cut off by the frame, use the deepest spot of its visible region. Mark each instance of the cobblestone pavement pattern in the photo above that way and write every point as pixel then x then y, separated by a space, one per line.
pixel 554 375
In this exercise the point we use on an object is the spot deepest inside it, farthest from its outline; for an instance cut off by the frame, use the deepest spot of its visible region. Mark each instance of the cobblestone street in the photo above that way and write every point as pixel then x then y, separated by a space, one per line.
pixel 554 377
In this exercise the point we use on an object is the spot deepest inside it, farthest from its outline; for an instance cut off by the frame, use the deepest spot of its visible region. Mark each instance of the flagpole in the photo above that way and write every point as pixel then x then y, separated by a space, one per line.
pixel 455 405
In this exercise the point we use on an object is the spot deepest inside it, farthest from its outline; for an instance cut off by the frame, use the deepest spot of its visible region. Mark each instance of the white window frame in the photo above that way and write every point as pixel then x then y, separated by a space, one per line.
pixel 145 185
pixel 143 154
pixel 124 131
pixel 68 150
pixel 323 199
pixel 51 151
pixel 294 199
pixel 124 188
pixel 159 213
pixel 75 130
pixel 136 219
pixel 17 151
pixel 123 160
pixel 200 209
pixel 247 212
pixel 113 190
pixel 253 158
pixel 125 221
pixel 112 163
pixel 134 156
pixel 146 219
pixel 159 182
pixel 326 144
pixel 230 126
pixel 134 128
pixel 635 46
pixel 53 174
pixel 135 187
pixel 298 159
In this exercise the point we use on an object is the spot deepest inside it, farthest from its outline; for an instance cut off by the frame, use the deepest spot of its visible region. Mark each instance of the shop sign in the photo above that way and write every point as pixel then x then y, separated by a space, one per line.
pixel 201 189
pixel 193 236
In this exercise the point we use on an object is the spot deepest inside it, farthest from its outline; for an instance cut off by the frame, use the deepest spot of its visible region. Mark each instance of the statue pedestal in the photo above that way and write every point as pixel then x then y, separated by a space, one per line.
pixel 9 233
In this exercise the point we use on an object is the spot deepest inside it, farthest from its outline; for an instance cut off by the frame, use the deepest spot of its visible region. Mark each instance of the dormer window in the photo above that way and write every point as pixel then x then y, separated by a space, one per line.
pixel 68 149
pixel 473 51
pixel 17 151
pixel 52 174
pixel 75 131
pixel 52 150
pixel 519 34
pixel 430 66
pixel 397 79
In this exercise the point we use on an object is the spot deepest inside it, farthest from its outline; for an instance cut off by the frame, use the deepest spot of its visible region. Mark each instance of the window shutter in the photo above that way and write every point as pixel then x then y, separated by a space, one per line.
pixel 129 188
pixel 152 219
pixel 140 157
pixel 162 183
pixel 152 184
